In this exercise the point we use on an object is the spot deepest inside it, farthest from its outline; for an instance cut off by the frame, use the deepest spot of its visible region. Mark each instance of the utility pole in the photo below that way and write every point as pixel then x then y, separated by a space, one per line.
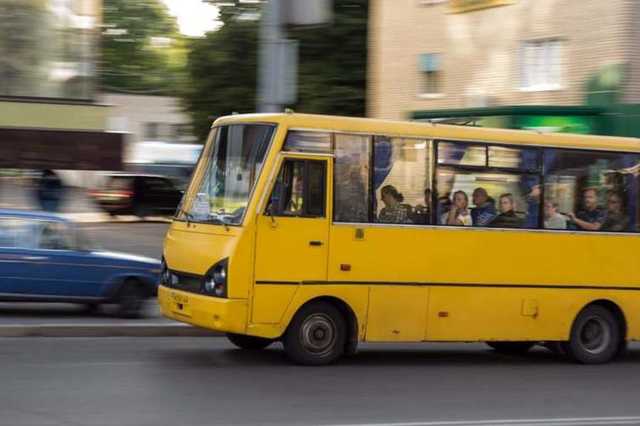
pixel 278 56
pixel 269 61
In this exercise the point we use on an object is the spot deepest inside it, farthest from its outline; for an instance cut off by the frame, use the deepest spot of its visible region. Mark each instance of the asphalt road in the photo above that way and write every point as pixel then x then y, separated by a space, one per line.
pixel 205 381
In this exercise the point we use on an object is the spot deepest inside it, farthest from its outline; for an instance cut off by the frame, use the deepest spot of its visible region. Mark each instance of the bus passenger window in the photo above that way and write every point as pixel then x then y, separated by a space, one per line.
pixel 402 180
pixel 496 199
pixel 299 190
pixel 591 191
pixel 351 180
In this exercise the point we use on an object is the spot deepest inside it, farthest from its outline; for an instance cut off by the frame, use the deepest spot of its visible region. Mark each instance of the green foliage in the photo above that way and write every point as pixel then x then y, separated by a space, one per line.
pixel 222 70
pixel 131 61
pixel 333 62
pixel 332 65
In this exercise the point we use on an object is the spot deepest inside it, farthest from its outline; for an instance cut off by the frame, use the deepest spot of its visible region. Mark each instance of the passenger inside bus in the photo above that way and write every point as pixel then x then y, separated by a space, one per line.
pixel 393 211
pixel 508 218
pixel 485 210
pixel 458 213
pixel 552 218
pixel 591 217
pixel 422 213
pixel 616 220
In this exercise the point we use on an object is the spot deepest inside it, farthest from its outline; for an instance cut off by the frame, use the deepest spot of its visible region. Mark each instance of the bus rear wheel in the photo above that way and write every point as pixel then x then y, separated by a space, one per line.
pixel 596 336
pixel 511 348
pixel 316 336
pixel 249 342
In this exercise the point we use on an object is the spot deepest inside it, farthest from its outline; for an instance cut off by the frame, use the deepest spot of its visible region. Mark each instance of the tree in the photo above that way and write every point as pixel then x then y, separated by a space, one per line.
pixel 223 69
pixel 141 48
pixel 333 62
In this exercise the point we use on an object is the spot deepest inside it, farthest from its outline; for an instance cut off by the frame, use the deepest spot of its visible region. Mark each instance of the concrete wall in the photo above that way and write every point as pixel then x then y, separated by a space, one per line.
pixel 481 51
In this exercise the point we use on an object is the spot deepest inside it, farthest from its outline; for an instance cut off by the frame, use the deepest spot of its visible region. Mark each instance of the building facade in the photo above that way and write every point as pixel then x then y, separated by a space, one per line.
pixel 148 118
pixel 49 114
pixel 427 56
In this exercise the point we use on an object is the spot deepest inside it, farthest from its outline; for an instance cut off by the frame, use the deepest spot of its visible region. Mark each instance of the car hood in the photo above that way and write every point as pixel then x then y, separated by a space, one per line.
pixel 127 258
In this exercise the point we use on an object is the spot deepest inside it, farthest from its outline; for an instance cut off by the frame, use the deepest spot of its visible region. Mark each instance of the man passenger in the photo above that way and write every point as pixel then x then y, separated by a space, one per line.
pixel 485 210
pixel 591 217
pixel 508 218
pixel 553 219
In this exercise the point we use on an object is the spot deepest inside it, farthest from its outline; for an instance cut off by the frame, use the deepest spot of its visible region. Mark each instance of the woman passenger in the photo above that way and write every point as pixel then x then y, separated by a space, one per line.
pixel 393 211
pixel 459 213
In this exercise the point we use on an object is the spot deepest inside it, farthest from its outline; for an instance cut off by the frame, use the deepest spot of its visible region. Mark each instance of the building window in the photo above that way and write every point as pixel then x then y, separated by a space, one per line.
pixel 541 65
pixel 430 74
pixel 48 48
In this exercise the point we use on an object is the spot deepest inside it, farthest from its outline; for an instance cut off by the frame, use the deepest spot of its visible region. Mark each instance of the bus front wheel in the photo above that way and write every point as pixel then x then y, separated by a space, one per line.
pixel 317 335
pixel 249 342
pixel 511 348
pixel 596 336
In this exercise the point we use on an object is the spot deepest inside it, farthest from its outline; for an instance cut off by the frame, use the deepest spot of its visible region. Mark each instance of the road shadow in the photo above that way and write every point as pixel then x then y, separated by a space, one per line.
pixel 429 356
pixel 60 311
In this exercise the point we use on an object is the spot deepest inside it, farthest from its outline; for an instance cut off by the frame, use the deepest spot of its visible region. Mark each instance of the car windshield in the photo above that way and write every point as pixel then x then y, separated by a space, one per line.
pixel 228 169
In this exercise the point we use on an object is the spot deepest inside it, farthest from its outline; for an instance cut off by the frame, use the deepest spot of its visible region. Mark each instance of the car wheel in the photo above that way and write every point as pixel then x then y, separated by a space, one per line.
pixel 131 299
pixel 316 335
pixel 249 342
pixel 596 336
pixel 511 348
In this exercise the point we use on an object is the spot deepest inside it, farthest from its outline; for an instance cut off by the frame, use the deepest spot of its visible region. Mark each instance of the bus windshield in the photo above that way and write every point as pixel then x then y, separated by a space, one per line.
pixel 228 168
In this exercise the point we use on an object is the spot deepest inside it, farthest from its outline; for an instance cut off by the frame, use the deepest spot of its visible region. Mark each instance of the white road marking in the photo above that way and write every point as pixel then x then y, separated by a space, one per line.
pixel 586 421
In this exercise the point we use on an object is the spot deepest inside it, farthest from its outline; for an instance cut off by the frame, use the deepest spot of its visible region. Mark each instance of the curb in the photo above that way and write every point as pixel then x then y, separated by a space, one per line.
pixel 99 330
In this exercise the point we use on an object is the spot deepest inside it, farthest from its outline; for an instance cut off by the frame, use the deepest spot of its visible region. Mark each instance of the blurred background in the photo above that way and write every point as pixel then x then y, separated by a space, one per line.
pixel 93 87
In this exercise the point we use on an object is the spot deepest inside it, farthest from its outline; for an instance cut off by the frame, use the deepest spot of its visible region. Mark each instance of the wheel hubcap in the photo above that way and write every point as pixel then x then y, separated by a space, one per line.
pixel 595 335
pixel 318 334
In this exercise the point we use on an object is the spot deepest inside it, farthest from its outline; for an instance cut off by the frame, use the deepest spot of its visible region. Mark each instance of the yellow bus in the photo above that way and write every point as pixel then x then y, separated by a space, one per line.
pixel 322 232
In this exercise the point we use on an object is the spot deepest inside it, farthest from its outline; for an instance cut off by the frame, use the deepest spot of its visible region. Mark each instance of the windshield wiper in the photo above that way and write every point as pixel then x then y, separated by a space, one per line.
pixel 220 218
pixel 186 214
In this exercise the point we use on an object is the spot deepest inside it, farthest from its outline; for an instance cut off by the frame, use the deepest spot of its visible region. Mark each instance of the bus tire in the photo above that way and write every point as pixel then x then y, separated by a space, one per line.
pixel 249 342
pixel 511 348
pixel 595 336
pixel 316 336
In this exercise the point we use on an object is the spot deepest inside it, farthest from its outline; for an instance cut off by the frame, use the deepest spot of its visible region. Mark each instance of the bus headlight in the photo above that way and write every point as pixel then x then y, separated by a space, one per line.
pixel 215 282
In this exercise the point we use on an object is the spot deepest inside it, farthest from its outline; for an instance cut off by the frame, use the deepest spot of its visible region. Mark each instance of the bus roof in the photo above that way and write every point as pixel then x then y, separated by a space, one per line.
pixel 438 131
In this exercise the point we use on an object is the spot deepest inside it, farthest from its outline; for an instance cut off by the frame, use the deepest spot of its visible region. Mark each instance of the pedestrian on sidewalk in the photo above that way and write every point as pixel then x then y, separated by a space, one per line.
pixel 50 191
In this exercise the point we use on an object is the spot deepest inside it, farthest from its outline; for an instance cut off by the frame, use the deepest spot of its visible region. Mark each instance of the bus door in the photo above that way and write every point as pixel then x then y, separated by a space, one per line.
pixel 292 235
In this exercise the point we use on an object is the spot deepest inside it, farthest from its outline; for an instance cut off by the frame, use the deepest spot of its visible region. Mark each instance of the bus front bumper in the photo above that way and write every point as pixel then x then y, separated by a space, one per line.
pixel 226 315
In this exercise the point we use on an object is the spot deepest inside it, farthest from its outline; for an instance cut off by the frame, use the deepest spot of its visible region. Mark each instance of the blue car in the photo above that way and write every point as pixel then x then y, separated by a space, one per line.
pixel 46 258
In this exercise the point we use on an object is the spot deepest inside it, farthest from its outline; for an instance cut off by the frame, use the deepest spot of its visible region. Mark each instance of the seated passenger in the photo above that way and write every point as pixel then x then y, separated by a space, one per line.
pixel 422 213
pixel 485 210
pixel 553 219
pixel 591 217
pixel 459 212
pixel 508 218
pixel 393 211
pixel 616 220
